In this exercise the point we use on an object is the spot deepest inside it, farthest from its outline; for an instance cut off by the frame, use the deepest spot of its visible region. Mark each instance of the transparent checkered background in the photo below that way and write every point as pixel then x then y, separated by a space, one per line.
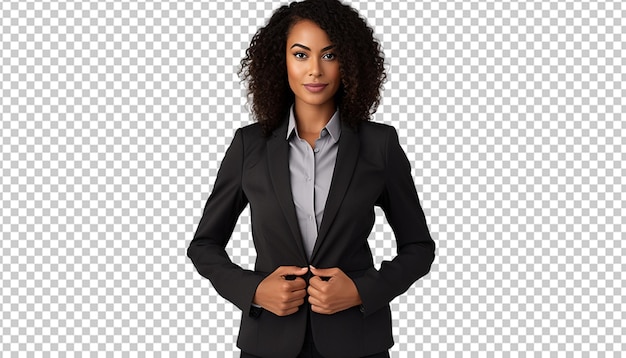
pixel 115 116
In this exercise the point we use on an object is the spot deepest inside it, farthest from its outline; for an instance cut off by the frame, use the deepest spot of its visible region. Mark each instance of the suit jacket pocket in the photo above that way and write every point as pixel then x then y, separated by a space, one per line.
pixel 269 335
pixel 350 334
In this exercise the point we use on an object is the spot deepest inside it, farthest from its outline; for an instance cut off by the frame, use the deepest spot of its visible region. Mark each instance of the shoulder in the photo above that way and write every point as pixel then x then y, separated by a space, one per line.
pixel 375 132
pixel 375 140
pixel 251 140
pixel 370 128
pixel 251 131
pixel 248 135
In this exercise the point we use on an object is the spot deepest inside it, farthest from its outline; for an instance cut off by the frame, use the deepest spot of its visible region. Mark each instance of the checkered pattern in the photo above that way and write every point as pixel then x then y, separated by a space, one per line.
pixel 115 115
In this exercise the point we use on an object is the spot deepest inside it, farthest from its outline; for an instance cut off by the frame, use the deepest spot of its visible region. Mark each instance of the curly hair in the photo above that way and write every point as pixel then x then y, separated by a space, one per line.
pixel 361 62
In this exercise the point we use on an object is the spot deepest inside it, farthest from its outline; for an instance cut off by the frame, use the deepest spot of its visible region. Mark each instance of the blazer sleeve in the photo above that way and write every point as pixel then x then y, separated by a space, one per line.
pixel 222 209
pixel 415 247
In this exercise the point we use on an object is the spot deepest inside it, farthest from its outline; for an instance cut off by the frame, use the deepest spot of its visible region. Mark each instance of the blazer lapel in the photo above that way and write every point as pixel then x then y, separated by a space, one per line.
pixel 278 163
pixel 347 156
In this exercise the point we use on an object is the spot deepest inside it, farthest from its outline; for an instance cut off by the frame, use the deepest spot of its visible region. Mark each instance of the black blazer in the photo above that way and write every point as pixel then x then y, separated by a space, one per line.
pixel 371 170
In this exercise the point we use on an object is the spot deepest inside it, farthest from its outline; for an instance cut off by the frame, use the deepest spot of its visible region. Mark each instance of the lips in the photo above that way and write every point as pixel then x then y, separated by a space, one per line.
pixel 315 87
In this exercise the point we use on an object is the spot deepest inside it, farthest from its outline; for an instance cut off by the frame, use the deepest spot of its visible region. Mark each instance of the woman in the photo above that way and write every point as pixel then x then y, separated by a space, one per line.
pixel 312 169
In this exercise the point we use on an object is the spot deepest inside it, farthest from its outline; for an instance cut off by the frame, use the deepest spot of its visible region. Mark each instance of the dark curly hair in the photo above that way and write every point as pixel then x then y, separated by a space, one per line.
pixel 361 62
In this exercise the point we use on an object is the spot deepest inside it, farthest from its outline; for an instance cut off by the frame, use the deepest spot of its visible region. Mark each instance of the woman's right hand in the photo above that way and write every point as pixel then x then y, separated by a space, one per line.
pixel 283 291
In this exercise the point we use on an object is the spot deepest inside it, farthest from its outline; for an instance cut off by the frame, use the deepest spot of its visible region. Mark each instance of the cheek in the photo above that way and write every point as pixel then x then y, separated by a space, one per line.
pixel 293 71
pixel 333 71
pixel 291 78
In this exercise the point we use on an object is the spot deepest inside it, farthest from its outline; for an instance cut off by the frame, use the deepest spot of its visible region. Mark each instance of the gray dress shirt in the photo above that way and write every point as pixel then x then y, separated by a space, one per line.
pixel 311 172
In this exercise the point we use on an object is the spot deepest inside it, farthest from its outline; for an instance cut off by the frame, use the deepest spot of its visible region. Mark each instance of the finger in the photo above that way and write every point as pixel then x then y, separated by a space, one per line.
pixel 319 282
pixel 291 270
pixel 294 304
pixel 291 277
pixel 295 301
pixel 314 282
pixel 314 292
pixel 290 300
pixel 298 303
pixel 328 272
pixel 289 287
pixel 296 295
pixel 318 309
pixel 286 312
pixel 297 284
pixel 318 301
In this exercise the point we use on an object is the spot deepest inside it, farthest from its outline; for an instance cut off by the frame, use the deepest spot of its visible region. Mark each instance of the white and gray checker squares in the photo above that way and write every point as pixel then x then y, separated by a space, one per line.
pixel 115 115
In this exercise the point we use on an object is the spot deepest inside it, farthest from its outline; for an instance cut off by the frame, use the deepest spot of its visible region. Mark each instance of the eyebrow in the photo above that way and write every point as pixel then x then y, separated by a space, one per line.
pixel 308 49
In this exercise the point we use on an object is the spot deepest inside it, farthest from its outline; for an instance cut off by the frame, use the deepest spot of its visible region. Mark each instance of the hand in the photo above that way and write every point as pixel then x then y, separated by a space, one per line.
pixel 331 291
pixel 280 296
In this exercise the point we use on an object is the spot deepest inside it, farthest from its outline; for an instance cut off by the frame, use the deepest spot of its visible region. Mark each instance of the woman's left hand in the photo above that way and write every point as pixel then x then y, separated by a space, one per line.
pixel 331 290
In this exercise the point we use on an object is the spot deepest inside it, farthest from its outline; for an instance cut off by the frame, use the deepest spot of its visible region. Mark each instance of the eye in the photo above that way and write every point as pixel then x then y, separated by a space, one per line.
pixel 300 55
pixel 329 56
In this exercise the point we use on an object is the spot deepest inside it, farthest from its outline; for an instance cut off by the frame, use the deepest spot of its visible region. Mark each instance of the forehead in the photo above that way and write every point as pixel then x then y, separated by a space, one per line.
pixel 307 32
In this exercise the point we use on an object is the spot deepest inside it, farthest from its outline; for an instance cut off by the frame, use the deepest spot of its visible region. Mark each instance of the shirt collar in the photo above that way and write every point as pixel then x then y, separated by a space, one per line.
pixel 333 127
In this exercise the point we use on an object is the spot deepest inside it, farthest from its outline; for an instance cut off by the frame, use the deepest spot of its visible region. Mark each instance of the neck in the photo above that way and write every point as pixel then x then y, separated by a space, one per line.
pixel 312 119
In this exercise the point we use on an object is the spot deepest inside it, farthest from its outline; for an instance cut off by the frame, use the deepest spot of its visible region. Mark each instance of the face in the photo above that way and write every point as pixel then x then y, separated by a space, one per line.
pixel 312 66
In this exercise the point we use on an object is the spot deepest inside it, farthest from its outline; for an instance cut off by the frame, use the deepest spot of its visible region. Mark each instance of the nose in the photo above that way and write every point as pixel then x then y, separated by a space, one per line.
pixel 316 68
